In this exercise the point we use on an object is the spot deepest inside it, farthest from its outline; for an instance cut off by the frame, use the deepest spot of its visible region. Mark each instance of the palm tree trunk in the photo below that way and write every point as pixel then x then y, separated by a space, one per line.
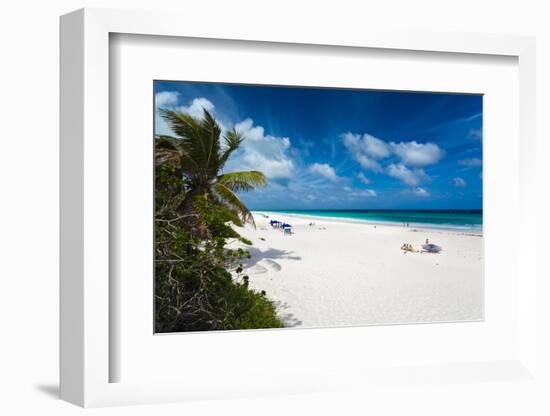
pixel 192 217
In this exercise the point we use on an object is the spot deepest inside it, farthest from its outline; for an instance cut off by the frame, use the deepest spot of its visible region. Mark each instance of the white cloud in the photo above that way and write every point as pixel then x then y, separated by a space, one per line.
pixel 197 106
pixel 169 99
pixel 366 150
pixel 268 154
pixel 365 193
pixel 421 192
pixel 166 98
pixel 324 170
pixel 371 153
pixel 246 128
pixel 363 178
pixel 408 176
pixel 458 182
pixel 418 154
pixel 374 147
pixel 470 163
pixel 368 163
pixel 347 189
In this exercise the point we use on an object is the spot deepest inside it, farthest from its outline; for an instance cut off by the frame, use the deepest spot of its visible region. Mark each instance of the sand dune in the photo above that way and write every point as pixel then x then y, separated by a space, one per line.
pixel 338 272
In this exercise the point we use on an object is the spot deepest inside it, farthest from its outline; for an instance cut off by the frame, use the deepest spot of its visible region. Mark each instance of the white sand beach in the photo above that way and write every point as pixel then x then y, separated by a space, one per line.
pixel 339 272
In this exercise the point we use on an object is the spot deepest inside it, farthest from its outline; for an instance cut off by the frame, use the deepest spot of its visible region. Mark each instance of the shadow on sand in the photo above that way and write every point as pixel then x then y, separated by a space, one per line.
pixel 273 254
pixel 289 320
pixel 269 258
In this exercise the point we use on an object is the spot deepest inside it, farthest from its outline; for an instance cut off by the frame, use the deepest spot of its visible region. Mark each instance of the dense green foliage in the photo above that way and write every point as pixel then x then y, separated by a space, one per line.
pixel 199 156
pixel 199 283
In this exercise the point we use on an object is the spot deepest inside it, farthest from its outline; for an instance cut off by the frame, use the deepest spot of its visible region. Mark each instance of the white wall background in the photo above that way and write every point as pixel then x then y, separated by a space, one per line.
pixel 29 203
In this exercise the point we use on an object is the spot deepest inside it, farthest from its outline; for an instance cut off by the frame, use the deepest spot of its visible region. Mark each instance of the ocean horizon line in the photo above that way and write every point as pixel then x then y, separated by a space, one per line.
pixel 455 219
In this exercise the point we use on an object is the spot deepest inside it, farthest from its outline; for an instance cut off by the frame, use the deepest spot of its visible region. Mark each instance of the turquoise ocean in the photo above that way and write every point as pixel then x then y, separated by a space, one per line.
pixel 446 219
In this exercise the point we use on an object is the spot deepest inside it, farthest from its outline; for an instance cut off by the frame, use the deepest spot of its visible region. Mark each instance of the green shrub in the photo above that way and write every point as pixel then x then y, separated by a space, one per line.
pixel 196 209
pixel 194 291
pixel 194 288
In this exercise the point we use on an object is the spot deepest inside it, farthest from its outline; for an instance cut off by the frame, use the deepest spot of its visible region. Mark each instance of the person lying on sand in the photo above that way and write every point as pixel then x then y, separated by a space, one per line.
pixel 408 247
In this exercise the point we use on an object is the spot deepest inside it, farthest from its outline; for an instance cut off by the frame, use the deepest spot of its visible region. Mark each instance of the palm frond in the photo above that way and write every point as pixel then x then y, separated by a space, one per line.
pixel 233 201
pixel 200 141
pixel 182 124
pixel 229 214
pixel 199 156
pixel 165 152
pixel 168 148
pixel 243 180
pixel 211 132
pixel 232 141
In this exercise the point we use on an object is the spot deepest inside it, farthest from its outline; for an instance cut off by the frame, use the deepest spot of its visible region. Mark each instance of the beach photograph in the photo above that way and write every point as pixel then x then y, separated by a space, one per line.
pixel 306 207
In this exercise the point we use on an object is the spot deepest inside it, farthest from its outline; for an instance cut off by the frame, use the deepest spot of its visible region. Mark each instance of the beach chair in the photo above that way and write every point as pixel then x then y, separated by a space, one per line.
pixel 287 229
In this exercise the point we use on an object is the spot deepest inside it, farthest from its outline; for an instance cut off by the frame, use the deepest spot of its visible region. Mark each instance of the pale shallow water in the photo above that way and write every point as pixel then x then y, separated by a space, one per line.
pixel 445 219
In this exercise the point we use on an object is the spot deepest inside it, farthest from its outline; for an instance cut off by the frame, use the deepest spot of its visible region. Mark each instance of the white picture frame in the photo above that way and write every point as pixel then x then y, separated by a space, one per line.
pixel 85 264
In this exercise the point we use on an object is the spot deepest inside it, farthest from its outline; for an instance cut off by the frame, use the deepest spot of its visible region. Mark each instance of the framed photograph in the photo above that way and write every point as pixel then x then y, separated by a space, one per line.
pixel 310 232
pixel 282 213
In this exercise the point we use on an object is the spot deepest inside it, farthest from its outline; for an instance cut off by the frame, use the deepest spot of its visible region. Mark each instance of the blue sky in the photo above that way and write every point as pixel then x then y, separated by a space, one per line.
pixel 345 149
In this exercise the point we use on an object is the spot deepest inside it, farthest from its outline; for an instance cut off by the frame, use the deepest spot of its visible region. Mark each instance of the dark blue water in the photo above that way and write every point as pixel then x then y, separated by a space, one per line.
pixel 453 219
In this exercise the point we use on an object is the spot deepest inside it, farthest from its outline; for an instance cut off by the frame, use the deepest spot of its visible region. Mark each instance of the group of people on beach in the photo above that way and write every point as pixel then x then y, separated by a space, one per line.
pixel 406 247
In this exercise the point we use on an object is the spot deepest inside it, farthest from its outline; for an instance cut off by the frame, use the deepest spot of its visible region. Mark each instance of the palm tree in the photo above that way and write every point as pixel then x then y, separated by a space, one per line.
pixel 199 157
